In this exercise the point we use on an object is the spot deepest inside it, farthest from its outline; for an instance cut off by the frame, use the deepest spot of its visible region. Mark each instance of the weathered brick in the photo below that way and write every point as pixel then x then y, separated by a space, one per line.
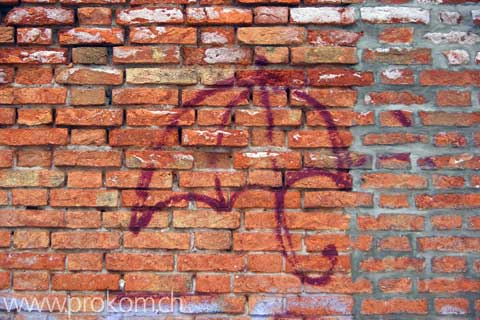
pixel 94 16
pixel 34 36
pixel 221 55
pixel 149 15
pixel 153 55
pixel 34 16
pixel 395 15
pixel 163 35
pixel 92 35
pixel 89 55
pixel 144 96
pixel 83 198
pixel 33 56
pixel 324 15
pixel 271 35
pixel 86 76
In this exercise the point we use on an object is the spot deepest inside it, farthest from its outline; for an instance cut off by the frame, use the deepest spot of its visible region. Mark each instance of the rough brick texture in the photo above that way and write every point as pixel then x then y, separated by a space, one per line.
pixel 253 159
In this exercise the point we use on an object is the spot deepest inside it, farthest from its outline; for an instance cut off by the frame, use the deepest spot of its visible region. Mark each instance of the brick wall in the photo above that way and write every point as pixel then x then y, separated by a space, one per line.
pixel 254 159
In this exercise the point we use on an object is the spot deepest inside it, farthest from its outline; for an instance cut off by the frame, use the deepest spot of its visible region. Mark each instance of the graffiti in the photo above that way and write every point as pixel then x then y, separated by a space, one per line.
pixel 142 215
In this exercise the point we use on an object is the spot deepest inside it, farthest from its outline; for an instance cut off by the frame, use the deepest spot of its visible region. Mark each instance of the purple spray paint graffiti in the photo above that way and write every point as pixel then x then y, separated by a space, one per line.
pixel 142 215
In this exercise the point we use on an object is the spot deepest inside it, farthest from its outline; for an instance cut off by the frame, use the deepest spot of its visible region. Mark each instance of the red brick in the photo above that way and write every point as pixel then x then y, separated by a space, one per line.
pixel 208 262
pixel 265 178
pixel 31 178
pixel 326 15
pixel 217 36
pixel 449 78
pixel 454 306
pixel 389 264
pixel 33 158
pixel 395 244
pixel 158 240
pixel 213 240
pixel 162 117
pixel 88 136
pixel 270 15
pixel 92 35
pixel 163 35
pixel 266 284
pixel 396 35
pixel 315 55
pixel 338 77
pixel 450 139
pixel 398 285
pixel 32 218
pixel 85 97
pixel 262 242
pixel 84 179
pixel 394 14
pixel 31 281
pixel 391 222
pixel 33 56
pixel 271 55
pixel 33 16
pixel 213 137
pixel 393 138
pixel 321 98
pixel 218 15
pixel 214 97
pixel 85 282
pixel 453 243
pixel 444 285
pixel 249 78
pixel 398 56
pixel 87 158
pixel 341 241
pixel 149 55
pixel 144 96
pixel 32 260
pixel 397 76
pixel 212 283
pixel 33 95
pixel 83 219
pixel 270 262
pixel 206 219
pixel 131 178
pixel 84 76
pixel 34 117
pixel 271 35
pixel 396 118
pixel 394 306
pixel 4 280
pixel 335 37
pixel 29 197
pixel 330 199
pixel 159 159
pixel 395 181
pixel 89 117
pixel 324 305
pixel 94 16
pixel 84 261
pixel 447 201
pixel 453 98
pixel 220 55
pixel 40 36
pixel 142 137
pixel 449 264
pixel 85 240
pixel 139 262
pixel 456 161
pixel 148 15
